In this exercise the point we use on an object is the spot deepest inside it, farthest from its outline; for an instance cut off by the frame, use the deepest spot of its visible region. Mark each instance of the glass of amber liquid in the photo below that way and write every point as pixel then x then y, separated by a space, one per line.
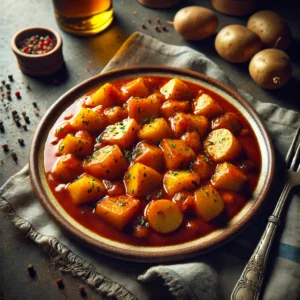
pixel 83 17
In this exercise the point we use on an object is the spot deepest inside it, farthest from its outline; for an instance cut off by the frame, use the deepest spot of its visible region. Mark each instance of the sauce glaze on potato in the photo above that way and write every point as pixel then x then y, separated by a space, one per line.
pixel 152 161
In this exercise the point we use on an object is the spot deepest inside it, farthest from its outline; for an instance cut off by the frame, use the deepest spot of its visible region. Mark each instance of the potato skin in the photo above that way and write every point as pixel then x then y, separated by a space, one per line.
pixel 237 43
pixel 195 22
pixel 270 26
pixel 271 68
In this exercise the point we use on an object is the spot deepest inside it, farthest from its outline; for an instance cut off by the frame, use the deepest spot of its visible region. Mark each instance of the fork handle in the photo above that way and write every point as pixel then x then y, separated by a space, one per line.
pixel 249 285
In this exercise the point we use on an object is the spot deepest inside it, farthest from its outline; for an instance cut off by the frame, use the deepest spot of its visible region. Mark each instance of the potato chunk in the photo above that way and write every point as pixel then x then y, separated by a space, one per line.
pixel 229 177
pixel 203 166
pixel 122 133
pixel 149 155
pixel 155 131
pixel 228 121
pixel 67 168
pixel 206 106
pixel 107 162
pixel 177 90
pixel 142 109
pixel 107 95
pixel 170 108
pixel 222 145
pixel 179 181
pixel 177 154
pixel 164 216
pixel 208 203
pixel 80 144
pixel 115 114
pixel 63 129
pixel 86 189
pixel 88 119
pixel 181 123
pixel 136 88
pixel 117 211
pixel 141 180
pixel 193 140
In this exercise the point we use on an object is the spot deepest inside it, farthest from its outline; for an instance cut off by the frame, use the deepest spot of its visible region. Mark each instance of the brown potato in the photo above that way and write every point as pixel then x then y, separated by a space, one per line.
pixel 271 68
pixel 237 43
pixel 273 31
pixel 195 22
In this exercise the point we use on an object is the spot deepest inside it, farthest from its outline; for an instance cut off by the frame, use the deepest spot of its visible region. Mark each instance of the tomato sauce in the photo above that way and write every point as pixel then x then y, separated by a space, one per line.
pixel 192 226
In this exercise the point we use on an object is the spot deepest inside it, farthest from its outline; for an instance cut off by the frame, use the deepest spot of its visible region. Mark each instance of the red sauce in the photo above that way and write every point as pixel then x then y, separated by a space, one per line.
pixel 192 226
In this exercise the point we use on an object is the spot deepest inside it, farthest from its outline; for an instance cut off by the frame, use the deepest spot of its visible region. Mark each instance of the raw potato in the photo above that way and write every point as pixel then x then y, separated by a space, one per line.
pixel 179 181
pixel 222 145
pixel 229 177
pixel 195 22
pixel 164 216
pixel 107 162
pixel 86 189
pixel 117 211
pixel 273 31
pixel 271 68
pixel 237 43
pixel 206 106
pixel 208 203
pixel 67 168
pixel 176 89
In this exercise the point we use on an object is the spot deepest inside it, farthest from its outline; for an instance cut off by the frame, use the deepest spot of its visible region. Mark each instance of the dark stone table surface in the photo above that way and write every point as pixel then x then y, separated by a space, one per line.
pixel 85 57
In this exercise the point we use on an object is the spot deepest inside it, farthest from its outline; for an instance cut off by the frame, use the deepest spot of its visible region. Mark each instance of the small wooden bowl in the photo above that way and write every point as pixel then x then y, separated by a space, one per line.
pixel 38 64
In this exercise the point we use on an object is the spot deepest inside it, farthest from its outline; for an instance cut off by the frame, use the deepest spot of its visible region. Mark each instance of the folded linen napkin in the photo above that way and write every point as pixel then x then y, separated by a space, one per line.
pixel 211 276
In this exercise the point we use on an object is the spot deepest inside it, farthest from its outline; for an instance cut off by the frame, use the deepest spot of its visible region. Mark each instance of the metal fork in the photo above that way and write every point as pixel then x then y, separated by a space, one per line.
pixel 249 285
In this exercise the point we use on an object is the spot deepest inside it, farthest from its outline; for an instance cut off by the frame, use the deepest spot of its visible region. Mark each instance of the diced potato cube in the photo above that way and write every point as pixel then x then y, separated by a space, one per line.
pixel 115 114
pixel 203 166
pixel 141 180
pixel 136 88
pixel 158 97
pixel 208 203
pixel 117 211
pixel 177 90
pixel 164 216
pixel 170 108
pixel 222 145
pixel 177 154
pixel 107 96
pixel 182 122
pixel 80 144
pixel 67 168
pixel 88 119
pixel 206 106
pixel 143 109
pixel 86 189
pixel 63 129
pixel 155 131
pixel 149 155
pixel 122 133
pixel 178 181
pixel 228 121
pixel 107 162
pixel 229 177
pixel 193 140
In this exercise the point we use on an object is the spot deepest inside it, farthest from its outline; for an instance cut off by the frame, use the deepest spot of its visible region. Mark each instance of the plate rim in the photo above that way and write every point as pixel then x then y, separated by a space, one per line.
pixel 149 256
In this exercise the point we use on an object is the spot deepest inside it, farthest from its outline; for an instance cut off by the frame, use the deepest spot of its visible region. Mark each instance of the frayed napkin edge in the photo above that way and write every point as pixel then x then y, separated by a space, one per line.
pixel 67 261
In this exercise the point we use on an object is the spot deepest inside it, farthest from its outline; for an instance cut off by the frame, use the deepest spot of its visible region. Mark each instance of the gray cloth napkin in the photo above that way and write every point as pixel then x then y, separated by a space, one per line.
pixel 211 276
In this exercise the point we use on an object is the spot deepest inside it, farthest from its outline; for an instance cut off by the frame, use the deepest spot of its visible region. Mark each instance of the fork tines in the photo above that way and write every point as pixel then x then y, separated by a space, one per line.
pixel 294 152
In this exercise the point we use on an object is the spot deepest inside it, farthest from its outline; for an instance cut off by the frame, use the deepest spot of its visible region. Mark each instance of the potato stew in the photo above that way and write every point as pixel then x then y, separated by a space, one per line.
pixel 152 161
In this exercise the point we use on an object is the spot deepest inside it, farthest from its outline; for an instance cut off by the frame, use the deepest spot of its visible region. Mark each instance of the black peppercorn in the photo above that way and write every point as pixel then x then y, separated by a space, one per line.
pixel 31 270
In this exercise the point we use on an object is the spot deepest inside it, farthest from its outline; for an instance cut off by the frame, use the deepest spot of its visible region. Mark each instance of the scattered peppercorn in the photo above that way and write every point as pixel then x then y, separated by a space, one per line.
pixel 34 104
pixel 28 87
pixel 9 97
pixel 27 120
pixel 14 112
pixel 37 44
pixel 156 28
pixel 143 26
pixel 82 291
pixel 7 86
pixel 3 82
pixel 60 283
pixel 1 127
pixel 5 147
pixel 24 113
pixel 25 127
pixel 31 270
pixel 164 28
pixel 21 142
pixel 10 77
pixel 18 94
pixel 14 156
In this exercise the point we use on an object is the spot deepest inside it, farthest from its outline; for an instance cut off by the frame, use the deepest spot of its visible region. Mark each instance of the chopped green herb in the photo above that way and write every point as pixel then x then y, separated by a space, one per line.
pixel 128 176
pixel 159 194
pixel 122 203
pixel 173 145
